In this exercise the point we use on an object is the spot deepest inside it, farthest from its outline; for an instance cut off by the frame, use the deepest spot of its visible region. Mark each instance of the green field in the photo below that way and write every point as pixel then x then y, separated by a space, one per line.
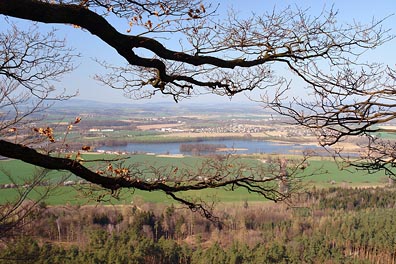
pixel 327 175
pixel 334 176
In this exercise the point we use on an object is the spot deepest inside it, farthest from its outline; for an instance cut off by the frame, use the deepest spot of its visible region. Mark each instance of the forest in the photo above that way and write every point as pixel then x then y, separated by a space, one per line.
pixel 335 225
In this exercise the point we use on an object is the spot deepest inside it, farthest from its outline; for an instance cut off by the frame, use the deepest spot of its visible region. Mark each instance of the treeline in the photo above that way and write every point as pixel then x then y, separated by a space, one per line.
pixel 359 228
pixel 356 199
pixel 199 147
pixel 97 123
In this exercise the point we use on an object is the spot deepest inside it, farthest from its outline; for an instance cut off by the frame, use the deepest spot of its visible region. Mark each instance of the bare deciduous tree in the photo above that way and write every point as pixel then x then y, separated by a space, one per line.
pixel 30 62
pixel 223 57
pixel 355 102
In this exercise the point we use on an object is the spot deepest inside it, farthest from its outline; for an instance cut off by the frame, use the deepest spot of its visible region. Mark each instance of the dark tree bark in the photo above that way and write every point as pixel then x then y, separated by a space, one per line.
pixel 316 50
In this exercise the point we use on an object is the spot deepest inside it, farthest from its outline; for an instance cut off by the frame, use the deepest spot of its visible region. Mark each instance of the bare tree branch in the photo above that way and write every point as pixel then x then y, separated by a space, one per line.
pixel 227 57
pixel 212 173
pixel 288 37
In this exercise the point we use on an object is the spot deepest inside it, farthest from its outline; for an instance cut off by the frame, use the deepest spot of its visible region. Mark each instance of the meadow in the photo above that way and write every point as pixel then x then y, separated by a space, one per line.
pixel 321 173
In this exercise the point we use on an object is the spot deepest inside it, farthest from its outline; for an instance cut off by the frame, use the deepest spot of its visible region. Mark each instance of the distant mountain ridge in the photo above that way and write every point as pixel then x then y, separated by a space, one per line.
pixel 158 106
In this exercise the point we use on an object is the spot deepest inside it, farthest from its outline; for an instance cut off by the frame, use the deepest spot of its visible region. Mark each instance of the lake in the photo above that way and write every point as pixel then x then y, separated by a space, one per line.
pixel 234 146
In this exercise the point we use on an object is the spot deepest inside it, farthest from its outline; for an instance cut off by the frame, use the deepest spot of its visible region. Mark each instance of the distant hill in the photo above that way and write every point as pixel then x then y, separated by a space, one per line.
pixel 201 107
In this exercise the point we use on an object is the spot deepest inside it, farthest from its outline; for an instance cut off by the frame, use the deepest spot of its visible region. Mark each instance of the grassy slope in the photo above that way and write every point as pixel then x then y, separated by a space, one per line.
pixel 63 195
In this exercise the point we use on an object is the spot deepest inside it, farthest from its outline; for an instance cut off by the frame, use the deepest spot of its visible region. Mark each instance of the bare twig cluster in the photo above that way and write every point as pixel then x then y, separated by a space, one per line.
pixel 181 49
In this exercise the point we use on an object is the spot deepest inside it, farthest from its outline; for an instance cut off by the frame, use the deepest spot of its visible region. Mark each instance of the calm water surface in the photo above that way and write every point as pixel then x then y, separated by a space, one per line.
pixel 239 146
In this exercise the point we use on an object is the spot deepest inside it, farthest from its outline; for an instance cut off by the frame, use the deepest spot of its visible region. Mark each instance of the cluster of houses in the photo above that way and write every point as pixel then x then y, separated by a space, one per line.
pixel 13 185
pixel 231 129
pixel 65 183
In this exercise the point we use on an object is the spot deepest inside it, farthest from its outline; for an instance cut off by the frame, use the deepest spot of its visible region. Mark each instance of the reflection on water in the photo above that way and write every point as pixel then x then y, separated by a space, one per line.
pixel 234 146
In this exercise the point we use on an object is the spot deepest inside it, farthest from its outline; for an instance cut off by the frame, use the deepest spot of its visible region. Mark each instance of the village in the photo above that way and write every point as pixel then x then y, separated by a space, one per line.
pixel 198 126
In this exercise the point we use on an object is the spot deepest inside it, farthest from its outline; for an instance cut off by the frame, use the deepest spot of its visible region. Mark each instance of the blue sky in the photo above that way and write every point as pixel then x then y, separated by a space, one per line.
pixel 90 47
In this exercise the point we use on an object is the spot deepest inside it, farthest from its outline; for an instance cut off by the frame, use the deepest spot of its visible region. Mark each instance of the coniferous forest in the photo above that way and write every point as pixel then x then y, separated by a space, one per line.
pixel 336 225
